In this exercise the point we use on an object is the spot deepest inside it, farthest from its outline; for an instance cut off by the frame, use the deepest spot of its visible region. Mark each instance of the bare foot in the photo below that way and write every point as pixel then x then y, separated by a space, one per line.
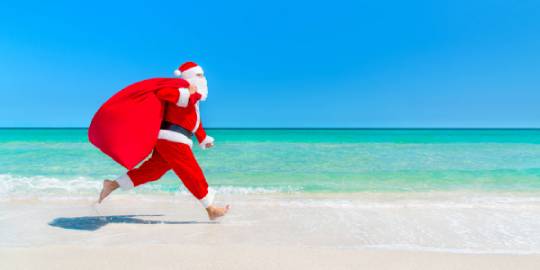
pixel 215 212
pixel 108 187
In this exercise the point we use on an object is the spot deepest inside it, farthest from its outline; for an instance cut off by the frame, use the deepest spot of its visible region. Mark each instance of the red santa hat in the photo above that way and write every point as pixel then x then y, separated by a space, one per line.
pixel 188 70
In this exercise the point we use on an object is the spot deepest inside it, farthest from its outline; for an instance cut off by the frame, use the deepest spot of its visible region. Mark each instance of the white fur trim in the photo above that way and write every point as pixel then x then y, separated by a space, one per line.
pixel 208 199
pixel 207 139
pixel 125 182
pixel 177 73
pixel 173 136
pixel 183 98
pixel 190 73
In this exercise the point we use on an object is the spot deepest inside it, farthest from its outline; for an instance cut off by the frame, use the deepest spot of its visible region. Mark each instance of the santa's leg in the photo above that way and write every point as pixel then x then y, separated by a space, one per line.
pixel 151 170
pixel 183 162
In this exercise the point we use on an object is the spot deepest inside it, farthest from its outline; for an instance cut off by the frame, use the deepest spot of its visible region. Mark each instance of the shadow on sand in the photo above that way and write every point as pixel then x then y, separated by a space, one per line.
pixel 92 223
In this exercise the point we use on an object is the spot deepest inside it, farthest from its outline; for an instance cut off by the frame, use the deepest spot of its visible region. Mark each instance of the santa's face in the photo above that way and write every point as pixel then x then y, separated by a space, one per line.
pixel 199 80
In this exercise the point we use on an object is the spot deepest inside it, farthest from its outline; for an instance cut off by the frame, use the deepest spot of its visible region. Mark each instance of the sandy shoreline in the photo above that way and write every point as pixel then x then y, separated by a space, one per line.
pixel 149 256
pixel 273 231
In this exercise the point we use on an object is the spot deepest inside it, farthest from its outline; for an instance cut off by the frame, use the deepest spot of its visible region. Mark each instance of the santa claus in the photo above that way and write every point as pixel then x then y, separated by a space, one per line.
pixel 158 115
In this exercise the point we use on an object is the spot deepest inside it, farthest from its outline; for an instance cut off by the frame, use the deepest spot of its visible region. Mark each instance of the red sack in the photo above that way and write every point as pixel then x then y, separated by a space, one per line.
pixel 126 127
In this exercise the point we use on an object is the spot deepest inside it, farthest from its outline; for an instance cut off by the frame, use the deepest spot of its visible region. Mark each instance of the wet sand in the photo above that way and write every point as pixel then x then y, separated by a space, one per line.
pixel 261 232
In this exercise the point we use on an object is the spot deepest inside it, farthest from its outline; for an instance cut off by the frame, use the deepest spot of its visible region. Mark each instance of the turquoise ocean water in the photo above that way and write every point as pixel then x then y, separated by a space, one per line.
pixel 62 161
pixel 451 190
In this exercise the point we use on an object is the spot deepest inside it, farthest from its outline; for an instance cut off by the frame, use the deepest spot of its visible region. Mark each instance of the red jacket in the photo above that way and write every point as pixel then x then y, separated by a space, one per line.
pixel 182 108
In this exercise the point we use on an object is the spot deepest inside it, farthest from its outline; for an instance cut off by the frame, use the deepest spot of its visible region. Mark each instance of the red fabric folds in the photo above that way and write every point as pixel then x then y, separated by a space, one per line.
pixel 126 126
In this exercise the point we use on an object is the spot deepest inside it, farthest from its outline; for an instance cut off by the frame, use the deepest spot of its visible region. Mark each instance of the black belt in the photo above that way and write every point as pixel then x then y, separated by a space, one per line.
pixel 176 128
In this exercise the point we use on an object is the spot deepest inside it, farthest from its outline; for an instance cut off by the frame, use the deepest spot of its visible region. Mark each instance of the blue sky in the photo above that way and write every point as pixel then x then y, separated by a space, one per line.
pixel 279 63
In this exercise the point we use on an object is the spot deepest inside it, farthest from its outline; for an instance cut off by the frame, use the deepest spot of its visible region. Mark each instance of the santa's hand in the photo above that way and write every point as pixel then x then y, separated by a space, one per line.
pixel 208 142
pixel 192 88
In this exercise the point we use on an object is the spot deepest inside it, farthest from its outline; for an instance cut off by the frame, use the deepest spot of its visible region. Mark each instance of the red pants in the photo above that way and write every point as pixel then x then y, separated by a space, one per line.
pixel 178 157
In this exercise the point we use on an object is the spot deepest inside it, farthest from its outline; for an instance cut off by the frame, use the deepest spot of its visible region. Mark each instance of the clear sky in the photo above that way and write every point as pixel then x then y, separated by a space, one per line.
pixel 279 63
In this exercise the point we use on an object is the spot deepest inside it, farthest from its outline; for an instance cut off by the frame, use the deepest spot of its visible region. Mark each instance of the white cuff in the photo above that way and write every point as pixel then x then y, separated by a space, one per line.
pixel 183 99
pixel 207 139
pixel 208 199
pixel 125 182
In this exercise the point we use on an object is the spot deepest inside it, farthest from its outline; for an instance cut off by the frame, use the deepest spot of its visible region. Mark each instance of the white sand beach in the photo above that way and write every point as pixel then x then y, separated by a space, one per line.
pixel 209 256
pixel 272 231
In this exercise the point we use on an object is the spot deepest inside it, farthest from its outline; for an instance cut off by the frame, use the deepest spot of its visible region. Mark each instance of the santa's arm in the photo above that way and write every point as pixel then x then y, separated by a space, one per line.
pixel 202 137
pixel 179 96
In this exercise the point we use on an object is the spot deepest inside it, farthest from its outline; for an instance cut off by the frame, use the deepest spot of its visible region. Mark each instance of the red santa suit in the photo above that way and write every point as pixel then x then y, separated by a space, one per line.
pixel 172 149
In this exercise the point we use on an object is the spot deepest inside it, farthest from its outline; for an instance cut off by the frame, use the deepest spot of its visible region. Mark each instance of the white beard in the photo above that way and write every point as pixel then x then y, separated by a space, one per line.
pixel 202 86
